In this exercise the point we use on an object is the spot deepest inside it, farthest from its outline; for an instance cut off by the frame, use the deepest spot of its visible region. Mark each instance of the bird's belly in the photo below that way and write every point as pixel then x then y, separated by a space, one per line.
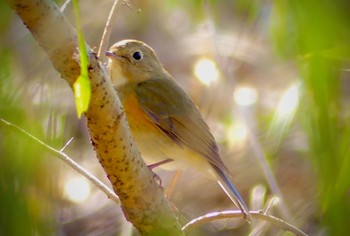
pixel 156 147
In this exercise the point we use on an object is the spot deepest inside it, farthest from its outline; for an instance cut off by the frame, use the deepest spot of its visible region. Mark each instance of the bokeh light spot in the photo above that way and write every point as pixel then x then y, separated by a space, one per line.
pixel 245 96
pixel 237 134
pixel 77 189
pixel 206 71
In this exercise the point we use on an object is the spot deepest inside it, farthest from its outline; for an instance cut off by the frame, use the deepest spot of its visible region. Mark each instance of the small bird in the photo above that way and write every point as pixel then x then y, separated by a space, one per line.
pixel 165 123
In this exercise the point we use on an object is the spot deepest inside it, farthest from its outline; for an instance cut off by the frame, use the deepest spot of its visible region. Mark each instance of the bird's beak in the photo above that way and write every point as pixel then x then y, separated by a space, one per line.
pixel 110 54
pixel 114 56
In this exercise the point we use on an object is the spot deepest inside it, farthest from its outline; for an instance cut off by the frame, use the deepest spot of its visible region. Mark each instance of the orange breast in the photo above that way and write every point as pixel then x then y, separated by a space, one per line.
pixel 138 120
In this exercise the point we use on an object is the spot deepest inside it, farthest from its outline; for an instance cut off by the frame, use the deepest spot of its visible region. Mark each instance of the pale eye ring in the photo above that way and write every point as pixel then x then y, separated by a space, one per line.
pixel 137 55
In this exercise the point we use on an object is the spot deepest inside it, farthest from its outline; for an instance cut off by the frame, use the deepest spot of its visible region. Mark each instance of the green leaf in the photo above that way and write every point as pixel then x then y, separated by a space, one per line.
pixel 82 87
pixel 82 94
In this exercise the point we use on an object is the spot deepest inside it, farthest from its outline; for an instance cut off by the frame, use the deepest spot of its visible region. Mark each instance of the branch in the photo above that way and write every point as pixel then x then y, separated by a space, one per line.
pixel 142 200
pixel 108 29
pixel 69 161
pixel 238 214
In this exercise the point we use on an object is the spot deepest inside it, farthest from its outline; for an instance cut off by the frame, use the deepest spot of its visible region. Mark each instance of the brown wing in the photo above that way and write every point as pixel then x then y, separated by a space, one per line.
pixel 176 115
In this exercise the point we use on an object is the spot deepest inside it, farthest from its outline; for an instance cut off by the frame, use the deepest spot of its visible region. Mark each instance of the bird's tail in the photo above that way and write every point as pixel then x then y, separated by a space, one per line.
pixel 230 190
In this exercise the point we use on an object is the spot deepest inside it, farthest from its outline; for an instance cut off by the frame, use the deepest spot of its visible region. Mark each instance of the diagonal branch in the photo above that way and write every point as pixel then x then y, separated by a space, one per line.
pixel 142 200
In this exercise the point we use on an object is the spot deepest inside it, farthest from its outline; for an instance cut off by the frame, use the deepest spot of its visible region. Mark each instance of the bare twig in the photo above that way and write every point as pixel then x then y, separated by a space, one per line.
pixel 69 161
pixel 66 145
pixel 270 204
pixel 128 4
pixel 64 6
pixel 108 30
pixel 262 226
pixel 238 214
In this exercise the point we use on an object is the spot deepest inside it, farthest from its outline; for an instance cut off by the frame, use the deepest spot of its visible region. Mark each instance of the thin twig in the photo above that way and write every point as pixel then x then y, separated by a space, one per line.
pixel 64 157
pixel 128 4
pixel 270 204
pixel 66 145
pixel 64 6
pixel 262 226
pixel 238 214
pixel 108 30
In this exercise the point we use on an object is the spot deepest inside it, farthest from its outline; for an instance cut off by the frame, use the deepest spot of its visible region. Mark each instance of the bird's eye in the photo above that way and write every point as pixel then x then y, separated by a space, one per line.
pixel 137 55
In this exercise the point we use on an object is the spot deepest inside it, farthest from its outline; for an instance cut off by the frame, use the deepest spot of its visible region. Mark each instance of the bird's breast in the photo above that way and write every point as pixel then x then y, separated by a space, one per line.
pixel 149 138
pixel 137 118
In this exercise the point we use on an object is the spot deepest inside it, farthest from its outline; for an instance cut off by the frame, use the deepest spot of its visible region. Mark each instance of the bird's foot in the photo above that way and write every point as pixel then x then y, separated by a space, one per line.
pixel 155 176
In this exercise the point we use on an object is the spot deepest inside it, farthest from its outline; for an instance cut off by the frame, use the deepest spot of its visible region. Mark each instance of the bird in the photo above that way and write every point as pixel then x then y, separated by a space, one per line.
pixel 165 123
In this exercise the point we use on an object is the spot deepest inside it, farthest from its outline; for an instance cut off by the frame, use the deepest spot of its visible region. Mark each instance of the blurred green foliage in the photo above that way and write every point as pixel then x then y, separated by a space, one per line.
pixel 24 208
pixel 5 15
pixel 316 34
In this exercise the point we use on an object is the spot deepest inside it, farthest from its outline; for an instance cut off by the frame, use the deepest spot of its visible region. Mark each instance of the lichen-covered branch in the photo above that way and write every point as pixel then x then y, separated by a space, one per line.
pixel 142 200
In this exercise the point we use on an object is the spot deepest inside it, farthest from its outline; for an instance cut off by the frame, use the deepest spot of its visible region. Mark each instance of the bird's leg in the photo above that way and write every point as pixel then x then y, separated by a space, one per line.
pixel 154 165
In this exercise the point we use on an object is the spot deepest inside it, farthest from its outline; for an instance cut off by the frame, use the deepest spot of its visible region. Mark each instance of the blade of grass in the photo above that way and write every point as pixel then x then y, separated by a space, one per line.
pixel 82 88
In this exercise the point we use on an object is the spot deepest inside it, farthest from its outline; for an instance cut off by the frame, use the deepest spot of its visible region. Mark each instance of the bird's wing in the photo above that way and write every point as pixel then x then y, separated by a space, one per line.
pixel 175 114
